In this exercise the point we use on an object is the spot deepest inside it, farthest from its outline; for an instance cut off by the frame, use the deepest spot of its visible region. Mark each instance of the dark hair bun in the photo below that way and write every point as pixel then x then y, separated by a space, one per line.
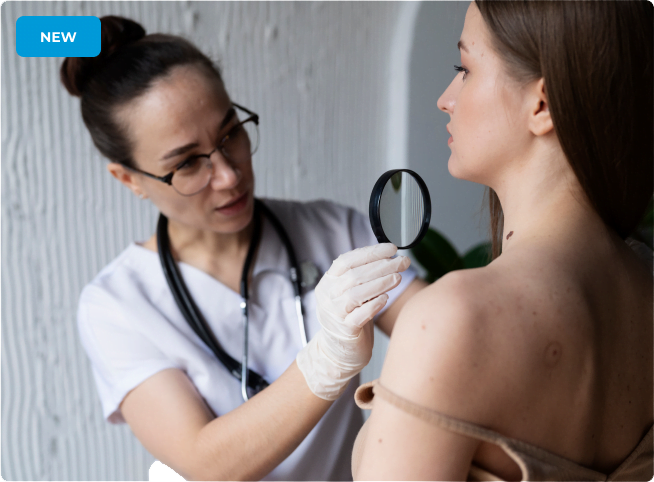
pixel 117 32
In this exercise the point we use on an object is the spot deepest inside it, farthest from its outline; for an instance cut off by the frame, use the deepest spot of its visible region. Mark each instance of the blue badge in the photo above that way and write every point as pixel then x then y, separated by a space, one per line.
pixel 63 36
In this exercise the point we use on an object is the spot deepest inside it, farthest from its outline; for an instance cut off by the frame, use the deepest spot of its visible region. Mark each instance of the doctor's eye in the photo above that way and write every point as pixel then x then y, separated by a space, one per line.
pixel 235 132
pixel 190 164
pixel 460 68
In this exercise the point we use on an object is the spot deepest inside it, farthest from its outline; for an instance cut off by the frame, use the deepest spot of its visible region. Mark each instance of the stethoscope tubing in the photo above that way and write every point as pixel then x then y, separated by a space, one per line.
pixel 295 280
pixel 193 316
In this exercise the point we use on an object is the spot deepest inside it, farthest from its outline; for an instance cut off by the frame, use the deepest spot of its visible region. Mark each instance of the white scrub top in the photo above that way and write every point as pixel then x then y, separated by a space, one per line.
pixel 131 327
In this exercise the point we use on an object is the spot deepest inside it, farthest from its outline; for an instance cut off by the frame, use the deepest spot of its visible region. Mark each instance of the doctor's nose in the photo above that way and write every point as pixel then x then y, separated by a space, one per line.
pixel 224 175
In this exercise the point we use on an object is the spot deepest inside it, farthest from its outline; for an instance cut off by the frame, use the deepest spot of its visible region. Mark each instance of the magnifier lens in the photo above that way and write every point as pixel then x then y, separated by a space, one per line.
pixel 400 208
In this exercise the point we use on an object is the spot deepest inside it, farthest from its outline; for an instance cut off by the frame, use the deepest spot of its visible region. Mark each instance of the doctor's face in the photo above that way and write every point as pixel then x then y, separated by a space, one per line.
pixel 485 107
pixel 183 115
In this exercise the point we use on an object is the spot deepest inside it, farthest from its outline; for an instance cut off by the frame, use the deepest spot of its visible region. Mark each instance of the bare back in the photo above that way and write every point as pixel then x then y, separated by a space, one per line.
pixel 578 323
pixel 550 345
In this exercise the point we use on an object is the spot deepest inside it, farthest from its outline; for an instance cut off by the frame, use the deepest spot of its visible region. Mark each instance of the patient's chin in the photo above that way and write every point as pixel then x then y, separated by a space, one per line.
pixel 457 168
pixel 465 170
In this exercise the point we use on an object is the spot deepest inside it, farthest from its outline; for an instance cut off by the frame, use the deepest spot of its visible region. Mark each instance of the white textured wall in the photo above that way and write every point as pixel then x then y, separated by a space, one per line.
pixel 317 73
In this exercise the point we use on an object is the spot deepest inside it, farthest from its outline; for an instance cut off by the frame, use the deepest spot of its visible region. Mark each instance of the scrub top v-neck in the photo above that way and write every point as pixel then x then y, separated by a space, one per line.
pixel 131 327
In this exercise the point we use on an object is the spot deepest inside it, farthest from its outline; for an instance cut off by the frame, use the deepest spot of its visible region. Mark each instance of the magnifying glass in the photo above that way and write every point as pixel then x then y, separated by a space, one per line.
pixel 400 208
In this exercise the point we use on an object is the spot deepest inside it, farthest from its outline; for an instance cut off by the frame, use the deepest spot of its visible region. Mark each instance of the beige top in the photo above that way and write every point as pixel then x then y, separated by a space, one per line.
pixel 535 463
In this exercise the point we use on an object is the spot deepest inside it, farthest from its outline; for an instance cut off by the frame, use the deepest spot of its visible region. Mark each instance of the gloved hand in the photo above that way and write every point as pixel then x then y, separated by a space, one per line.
pixel 348 296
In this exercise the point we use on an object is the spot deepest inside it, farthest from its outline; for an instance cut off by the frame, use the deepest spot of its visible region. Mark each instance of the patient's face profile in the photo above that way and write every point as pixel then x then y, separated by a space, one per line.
pixel 188 108
pixel 486 108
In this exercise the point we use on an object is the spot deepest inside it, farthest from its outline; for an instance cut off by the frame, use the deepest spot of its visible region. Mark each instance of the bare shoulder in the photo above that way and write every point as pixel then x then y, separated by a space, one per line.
pixel 466 306
pixel 466 347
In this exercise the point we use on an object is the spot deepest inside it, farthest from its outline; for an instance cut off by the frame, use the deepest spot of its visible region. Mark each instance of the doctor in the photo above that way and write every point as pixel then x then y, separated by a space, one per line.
pixel 157 108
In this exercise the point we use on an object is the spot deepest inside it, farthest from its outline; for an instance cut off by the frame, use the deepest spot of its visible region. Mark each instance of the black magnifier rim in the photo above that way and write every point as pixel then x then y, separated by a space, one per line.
pixel 375 201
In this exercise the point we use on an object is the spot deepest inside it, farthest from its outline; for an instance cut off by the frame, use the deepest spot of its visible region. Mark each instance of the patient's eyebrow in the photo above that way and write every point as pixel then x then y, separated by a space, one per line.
pixel 462 46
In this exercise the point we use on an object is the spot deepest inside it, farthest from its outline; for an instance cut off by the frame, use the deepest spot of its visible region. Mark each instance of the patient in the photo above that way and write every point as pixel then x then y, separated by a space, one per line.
pixel 538 366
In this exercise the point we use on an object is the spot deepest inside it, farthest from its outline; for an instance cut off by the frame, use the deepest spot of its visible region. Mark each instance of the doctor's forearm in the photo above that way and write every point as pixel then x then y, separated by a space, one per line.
pixel 250 441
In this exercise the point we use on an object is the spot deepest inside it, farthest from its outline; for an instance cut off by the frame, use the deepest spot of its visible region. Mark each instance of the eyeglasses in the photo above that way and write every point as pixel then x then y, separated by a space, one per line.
pixel 193 174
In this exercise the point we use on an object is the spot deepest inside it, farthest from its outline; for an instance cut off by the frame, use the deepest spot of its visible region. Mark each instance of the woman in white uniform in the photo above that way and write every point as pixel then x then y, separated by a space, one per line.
pixel 157 108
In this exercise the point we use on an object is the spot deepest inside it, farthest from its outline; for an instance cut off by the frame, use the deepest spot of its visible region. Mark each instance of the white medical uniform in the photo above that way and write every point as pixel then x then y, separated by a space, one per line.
pixel 131 327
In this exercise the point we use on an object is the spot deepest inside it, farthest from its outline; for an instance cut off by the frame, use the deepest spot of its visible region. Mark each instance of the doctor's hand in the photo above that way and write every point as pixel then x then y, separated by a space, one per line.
pixel 348 296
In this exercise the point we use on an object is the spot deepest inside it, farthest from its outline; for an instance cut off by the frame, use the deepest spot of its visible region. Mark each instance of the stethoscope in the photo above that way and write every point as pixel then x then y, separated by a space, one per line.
pixel 248 378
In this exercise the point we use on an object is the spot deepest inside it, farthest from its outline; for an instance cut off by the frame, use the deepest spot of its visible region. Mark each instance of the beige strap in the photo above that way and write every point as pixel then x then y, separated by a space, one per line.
pixel 534 462
pixel 364 398
pixel 436 418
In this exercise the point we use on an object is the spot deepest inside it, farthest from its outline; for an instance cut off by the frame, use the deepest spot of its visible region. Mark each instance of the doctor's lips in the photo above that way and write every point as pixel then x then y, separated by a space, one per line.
pixel 451 139
pixel 235 206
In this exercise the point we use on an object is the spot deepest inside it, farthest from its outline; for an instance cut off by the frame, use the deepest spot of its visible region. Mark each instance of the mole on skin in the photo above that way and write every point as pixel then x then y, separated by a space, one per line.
pixel 553 353
pixel 509 235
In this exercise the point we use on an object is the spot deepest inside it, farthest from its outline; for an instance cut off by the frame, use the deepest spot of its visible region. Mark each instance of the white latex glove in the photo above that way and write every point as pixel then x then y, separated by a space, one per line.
pixel 348 296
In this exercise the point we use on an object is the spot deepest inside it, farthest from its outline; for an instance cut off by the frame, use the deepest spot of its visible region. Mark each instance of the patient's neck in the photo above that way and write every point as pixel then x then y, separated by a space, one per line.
pixel 543 200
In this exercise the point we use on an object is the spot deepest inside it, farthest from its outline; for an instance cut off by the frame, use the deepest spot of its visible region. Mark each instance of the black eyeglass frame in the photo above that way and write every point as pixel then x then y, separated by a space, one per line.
pixel 168 178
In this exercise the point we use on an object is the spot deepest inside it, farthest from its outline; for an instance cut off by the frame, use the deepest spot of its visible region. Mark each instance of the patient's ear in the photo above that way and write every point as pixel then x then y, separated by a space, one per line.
pixel 540 119
pixel 128 178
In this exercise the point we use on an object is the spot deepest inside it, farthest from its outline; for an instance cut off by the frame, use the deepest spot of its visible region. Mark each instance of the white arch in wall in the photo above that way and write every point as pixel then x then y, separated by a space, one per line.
pixel 399 77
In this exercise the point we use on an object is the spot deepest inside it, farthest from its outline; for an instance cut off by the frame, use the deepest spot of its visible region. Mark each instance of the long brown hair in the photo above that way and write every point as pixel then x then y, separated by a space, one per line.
pixel 596 61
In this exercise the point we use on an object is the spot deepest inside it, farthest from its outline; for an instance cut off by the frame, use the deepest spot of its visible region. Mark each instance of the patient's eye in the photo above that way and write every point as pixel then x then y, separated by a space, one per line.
pixel 460 68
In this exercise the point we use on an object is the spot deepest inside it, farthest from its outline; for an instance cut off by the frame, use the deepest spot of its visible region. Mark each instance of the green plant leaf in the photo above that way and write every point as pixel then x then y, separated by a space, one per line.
pixel 396 181
pixel 648 220
pixel 430 278
pixel 437 255
pixel 478 256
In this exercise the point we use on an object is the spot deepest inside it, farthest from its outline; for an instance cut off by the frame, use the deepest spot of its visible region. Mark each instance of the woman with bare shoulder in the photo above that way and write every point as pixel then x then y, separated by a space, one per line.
pixel 538 366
